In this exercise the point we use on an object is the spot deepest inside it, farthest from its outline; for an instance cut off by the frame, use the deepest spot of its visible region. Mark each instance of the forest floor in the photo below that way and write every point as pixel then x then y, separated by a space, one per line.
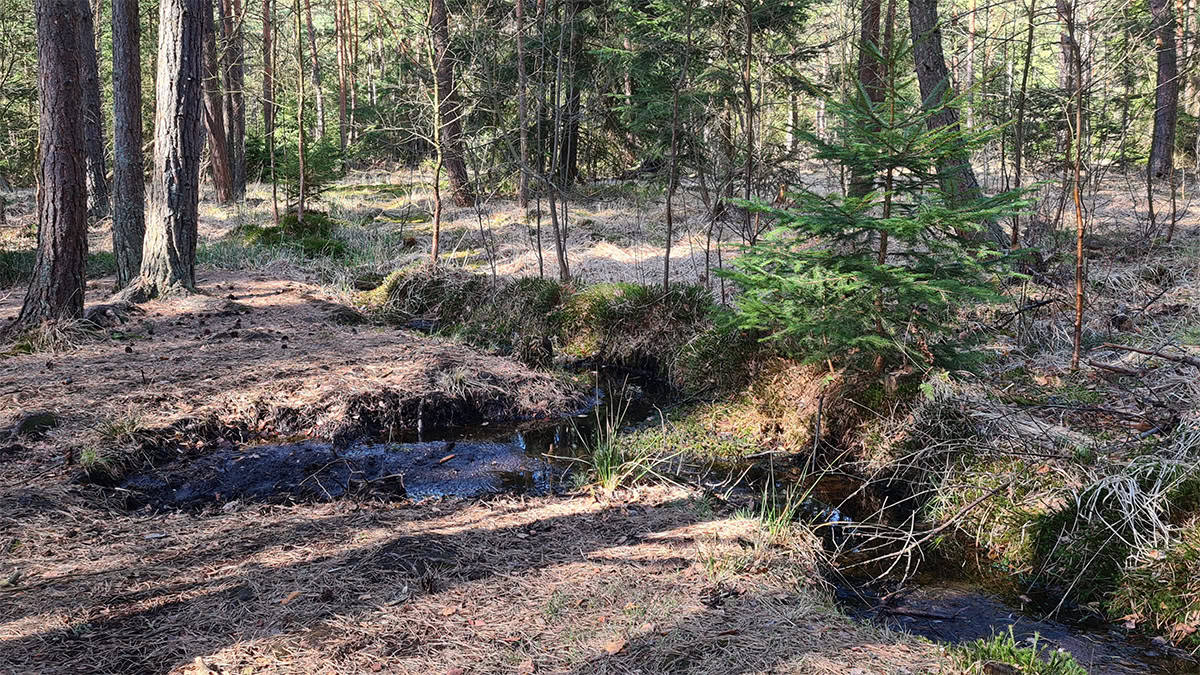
pixel 649 580
pixel 652 579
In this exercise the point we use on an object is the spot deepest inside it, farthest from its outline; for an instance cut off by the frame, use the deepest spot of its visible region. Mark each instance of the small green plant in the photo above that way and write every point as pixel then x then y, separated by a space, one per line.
pixel 611 463
pixel 882 271
pixel 314 237
pixel 983 656
pixel 97 463
pixel 122 429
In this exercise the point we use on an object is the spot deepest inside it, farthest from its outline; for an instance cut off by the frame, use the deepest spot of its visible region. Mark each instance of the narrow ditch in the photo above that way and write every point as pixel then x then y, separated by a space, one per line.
pixel 942 603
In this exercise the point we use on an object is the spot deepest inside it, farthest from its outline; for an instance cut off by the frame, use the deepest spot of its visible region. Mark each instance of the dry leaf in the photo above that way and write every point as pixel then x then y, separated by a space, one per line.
pixel 526 667
pixel 447 458
pixel 448 611
pixel 290 597
pixel 614 646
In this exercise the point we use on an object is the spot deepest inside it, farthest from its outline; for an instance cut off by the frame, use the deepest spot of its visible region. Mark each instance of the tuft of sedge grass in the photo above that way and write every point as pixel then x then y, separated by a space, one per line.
pixel 1003 649
pixel 613 464
pixel 49 336
pixel 99 464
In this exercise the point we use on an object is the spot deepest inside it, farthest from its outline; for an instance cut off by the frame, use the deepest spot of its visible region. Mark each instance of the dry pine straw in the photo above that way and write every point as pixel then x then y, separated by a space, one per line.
pixel 647 583
pixel 275 346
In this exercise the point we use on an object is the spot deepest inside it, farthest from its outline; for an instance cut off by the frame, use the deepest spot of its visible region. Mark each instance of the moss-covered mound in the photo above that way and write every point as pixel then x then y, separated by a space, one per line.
pixel 678 333
pixel 314 236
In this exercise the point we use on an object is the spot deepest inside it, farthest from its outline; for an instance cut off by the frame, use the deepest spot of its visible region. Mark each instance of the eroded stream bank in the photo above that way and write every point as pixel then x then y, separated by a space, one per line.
pixel 544 457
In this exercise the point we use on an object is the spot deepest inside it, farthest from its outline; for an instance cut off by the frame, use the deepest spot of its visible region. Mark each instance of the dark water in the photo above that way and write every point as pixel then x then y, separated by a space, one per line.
pixel 957 612
pixel 536 458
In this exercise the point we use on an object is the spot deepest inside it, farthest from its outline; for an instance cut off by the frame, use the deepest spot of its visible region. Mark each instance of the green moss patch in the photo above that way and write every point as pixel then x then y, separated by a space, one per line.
pixel 314 236
pixel 676 333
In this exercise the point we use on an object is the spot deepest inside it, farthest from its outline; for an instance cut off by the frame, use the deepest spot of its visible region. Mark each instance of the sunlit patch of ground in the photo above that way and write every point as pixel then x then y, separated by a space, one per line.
pixel 656 581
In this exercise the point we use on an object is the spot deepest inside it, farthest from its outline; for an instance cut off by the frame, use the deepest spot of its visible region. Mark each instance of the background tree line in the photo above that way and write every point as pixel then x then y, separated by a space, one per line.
pixel 531 98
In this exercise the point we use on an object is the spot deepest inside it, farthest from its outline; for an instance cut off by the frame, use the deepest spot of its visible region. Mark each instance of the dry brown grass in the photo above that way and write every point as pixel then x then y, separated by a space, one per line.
pixel 653 582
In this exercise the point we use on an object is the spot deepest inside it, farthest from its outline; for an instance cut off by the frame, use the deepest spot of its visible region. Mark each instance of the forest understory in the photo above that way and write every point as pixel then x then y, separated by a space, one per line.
pixel 1083 485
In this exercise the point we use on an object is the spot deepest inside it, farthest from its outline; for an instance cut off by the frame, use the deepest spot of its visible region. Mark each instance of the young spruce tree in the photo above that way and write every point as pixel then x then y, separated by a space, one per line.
pixel 876 278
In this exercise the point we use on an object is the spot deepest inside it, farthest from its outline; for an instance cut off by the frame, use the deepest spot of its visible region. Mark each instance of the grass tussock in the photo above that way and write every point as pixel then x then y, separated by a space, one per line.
pixel 676 333
pixel 1003 653
pixel 48 336
pixel 313 237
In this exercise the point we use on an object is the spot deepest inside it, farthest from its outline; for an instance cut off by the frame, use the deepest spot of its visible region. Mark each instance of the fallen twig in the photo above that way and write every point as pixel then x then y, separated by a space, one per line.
pixel 1116 369
pixel 1188 360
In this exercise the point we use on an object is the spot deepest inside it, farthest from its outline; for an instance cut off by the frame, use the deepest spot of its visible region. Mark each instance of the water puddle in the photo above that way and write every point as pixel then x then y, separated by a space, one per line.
pixel 316 472
pixel 957 612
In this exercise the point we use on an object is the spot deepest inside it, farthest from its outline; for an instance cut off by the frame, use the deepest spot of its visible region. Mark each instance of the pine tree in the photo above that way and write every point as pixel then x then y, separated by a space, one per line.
pixel 843 278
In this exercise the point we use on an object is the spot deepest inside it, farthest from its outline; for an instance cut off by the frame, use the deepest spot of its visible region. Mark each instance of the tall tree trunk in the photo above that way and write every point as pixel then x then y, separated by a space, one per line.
pixel 1077 165
pixel 522 110
pixel 169 254
pixel 568 161
pixel 353 73
pixel 214 117
pixel 870 76
pixel 449 109
pixel 233 57
pixel 268 22
pixel 1166 90
pixel 56 288
pixel 129 183
pixel 748 101
pixel 970 67
pixel 300 119
pixel 340 29
pixel 315 70
pixel 268 98
pixel 958 180
pixel 93 122
pixel 1019 123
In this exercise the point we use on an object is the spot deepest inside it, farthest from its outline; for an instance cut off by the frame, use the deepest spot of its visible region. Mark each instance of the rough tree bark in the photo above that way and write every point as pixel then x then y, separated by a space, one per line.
pixel 56 288
pixel 129 184
pixel 214 118
pixel 522 109
pixel 315 70
pixel 169 253
pixel 233 68
pixel 299 120
pixel 870 75
pixel 1166 90
pixel 958 177
pixel 340 30
pixel 449 108
pixel 268 97
pixel 93 121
